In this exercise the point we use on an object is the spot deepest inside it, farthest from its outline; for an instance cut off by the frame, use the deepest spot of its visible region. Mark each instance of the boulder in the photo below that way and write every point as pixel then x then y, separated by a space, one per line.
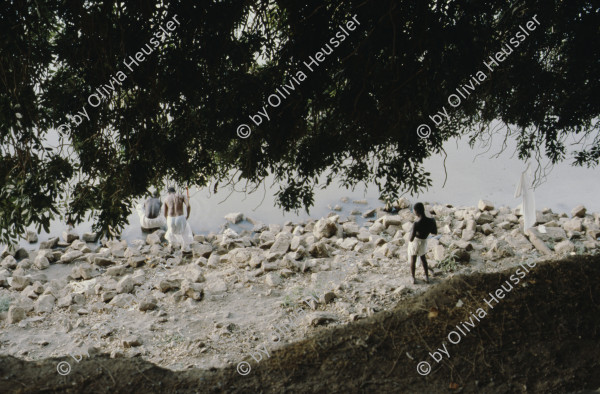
pixel 9 262
pixel 349 243
pixel 88 237
pixel 195 274
pixel 147 304
pixel 319 249
pixel 69 236
pixel 487 228
pixel 195 291
pixel 574 224
pixel 234 218
pixel 20 282
pixel 125 285
pixel 168 284
pixel 118 270
pixel 137 261
pixel 102 261
pixel 272 279
pixel 369 213
pixel 351 229
pixel 31 237
pixel 485 205
pixel 578 211
pixel 45 304
pixel 325 228
pixel 70 256
pixel 483 218
pixel 392 220
pixel 281 245
pixel 439 252
pixel 202 250
pixel 155 238
pixel 16 314
pixel 49 244
pixel 564 247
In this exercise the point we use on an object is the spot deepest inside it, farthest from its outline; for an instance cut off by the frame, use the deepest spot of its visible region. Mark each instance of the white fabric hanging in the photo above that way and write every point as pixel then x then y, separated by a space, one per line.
pixel 525 188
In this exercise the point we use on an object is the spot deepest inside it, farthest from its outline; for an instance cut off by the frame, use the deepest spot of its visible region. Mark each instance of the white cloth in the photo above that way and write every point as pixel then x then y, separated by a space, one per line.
pixel 525 188
pixel 418 247
pixel 179 231
pixel 158 222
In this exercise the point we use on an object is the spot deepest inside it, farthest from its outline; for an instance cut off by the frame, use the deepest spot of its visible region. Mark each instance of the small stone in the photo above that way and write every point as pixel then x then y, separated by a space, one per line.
pixel 327 298
pixel 319 318
pixel 487 229
pixel 166 284
pixel 148 304
pixel 131 341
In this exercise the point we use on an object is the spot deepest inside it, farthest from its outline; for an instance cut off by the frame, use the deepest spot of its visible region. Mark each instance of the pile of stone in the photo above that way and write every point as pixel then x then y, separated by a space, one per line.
pixel 147 273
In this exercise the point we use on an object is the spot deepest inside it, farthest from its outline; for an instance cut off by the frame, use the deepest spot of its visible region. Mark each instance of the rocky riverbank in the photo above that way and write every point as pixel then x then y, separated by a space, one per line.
pixel 215 306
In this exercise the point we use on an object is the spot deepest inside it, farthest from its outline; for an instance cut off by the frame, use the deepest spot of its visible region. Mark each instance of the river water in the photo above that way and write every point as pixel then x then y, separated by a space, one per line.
pixel 472 174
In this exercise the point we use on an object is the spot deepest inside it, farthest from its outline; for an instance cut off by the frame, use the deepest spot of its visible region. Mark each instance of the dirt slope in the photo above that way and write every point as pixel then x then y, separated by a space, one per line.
pixel 543 337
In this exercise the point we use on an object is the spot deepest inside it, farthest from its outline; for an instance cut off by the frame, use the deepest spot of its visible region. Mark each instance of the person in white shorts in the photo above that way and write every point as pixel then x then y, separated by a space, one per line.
pixel 178 229
pixel 417 246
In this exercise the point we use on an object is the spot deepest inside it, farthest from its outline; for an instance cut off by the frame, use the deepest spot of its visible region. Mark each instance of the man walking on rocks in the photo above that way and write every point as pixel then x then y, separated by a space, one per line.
pixel 177 226
pixel 422 227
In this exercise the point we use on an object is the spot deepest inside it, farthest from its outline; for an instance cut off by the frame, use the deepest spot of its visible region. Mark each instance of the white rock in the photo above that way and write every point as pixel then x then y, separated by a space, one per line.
pixel 16 314
pixel 234 218
pixel 125 285
pixel 351 229
pixel 325 228
pixel 574 224
pixel 273 279
pixel 45 304
pixel 349 243
pixel 564 247
pixel 485 205
pixel 578 211
pixel 9 262
pixel 32 237
pixel 71 256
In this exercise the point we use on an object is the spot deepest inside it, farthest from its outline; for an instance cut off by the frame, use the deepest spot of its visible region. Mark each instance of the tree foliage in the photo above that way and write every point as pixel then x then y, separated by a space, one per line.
pixel 353 119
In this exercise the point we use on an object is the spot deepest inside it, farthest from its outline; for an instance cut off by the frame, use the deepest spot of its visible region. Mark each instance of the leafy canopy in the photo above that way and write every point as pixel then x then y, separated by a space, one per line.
pixel 352 120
